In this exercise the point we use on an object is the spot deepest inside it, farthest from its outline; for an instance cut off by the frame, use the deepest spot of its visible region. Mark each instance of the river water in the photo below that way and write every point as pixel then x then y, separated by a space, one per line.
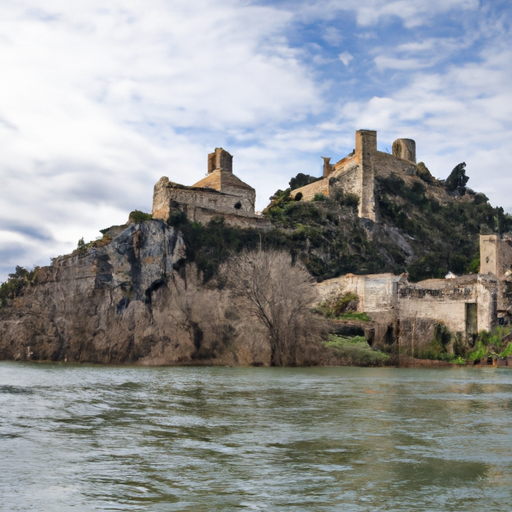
pixel 86 438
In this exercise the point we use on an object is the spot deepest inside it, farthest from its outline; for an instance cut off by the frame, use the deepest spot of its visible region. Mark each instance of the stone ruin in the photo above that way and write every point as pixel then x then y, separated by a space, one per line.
pixel 356 172
pixel 219 194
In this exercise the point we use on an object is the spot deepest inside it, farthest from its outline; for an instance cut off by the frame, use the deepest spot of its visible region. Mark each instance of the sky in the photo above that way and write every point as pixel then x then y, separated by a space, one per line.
pixel 98 100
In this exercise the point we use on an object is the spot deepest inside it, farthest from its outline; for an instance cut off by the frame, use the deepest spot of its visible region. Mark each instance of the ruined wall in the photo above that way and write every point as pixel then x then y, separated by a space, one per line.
pixel 405 149
pixel 220 159
pixel 386 164
pixel 377 297
pixel 347 179
pixel 495 255
pixel 425 304
pixel 466 305
pixel 170 197
pixel 366 149
pixel 496 260
pixel 356 172
pixel 205 215
pixel 409 312
pixel 309 191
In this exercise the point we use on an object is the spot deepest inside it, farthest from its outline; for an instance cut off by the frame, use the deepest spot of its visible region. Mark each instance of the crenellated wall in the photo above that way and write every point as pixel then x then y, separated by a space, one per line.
pixel 356 172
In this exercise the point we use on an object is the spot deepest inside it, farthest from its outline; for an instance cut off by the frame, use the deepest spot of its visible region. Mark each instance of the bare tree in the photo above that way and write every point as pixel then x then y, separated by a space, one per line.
pixel 279 295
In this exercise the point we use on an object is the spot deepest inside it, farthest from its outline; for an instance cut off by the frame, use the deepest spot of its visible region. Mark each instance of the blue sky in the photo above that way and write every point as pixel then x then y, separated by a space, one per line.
pixel 98 102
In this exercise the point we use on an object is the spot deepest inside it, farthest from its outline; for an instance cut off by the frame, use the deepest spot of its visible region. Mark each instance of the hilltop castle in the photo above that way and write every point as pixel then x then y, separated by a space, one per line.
pixel 356 172
pixel 220 193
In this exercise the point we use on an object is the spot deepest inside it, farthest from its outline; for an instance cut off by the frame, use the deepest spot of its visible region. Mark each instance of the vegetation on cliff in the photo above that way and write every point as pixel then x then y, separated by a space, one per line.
pixel 355 351
pixel 16 285
pixel 443 237
pixel 417 233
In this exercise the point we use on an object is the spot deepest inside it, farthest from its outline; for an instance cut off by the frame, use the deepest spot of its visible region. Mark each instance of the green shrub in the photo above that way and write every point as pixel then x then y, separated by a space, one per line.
pixel 319 197
pixel 301 180
pixel 478 352
pixel 424 174
pixel 211 244
pixel 507 352
pixel 474 266
pixel 362 317
pixel 137 216
pixel 437 349
pixel 177 219
pixel 457 179
pixel 339 305
pixel 16 284
pixel 356 351
pixel 82 247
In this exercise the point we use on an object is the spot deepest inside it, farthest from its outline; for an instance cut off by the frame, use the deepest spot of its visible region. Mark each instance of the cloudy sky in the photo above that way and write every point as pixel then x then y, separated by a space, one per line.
pixel 98 100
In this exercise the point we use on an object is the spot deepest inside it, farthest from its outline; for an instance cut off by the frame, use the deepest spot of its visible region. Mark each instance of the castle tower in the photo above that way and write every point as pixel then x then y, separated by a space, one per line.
pixel 366 148
pixel 220 160
pixel 405 149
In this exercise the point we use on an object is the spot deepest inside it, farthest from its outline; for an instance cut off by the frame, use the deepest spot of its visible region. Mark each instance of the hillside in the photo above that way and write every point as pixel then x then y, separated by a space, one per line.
pixel 425 229
pixel 177 292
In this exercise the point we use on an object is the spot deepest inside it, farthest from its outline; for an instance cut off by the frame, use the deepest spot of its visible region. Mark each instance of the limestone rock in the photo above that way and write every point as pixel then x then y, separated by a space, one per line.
pixel 98 305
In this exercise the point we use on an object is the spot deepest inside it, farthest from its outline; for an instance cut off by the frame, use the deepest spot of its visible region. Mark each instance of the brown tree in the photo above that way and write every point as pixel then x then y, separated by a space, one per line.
pixel 279 295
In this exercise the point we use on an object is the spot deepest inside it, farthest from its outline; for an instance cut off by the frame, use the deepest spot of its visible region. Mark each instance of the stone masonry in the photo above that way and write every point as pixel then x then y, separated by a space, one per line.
pixel 356 172
pixel 409 312
pixel 220 193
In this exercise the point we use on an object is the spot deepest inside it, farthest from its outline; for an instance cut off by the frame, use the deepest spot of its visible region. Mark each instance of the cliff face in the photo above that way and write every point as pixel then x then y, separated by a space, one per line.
pixel 98 305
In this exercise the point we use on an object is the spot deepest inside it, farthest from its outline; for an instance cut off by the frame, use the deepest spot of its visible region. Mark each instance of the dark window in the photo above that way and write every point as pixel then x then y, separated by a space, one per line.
pixel 238 205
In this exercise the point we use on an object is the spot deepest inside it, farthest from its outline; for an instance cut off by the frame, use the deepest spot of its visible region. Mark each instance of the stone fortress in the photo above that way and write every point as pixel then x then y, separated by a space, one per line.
pixel 400 311
pixel 356 172
pixel 220 193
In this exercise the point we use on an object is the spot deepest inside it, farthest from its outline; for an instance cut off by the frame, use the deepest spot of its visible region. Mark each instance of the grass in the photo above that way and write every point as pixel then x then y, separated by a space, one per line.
pixel 355 351
pixel 362 317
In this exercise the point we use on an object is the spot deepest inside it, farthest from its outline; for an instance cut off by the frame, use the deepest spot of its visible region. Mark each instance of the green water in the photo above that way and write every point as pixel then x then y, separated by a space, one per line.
pixel 85 438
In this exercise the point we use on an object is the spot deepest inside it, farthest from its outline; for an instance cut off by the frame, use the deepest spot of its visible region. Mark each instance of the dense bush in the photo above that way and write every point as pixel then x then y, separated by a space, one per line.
pixel 301 180
pixel 343 303
pixel 355 351
pixel 137 216
pixel 16 284
pixel 210 245
pixel 444 236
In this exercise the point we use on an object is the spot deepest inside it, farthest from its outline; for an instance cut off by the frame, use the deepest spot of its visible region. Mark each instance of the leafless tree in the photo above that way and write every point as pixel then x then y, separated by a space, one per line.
pixel 279 295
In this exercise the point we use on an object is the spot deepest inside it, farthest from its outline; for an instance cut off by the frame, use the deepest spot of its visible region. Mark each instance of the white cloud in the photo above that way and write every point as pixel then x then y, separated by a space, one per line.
pixel 97 102
pixel 462 114
pixel 412 13
pixel 332 36
pixel 345 57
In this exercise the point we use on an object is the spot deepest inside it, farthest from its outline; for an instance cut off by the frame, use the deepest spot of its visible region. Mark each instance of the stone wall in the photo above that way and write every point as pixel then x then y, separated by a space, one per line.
pixel 409 312
pixel 496 260
pixel 356 172
pixel 495 255
pixel 220 193
pixel 236 205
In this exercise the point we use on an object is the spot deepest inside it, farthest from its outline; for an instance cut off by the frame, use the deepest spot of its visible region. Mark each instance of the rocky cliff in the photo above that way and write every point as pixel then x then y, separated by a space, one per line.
pixel 105 304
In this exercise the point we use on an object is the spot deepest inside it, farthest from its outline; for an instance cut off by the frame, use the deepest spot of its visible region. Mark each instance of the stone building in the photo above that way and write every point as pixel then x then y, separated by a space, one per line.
pixel 409 312
pixel 357 171
pixel 220 193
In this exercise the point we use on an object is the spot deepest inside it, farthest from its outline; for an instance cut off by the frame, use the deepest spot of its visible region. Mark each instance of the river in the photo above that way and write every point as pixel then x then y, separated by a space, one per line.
pixel 84 438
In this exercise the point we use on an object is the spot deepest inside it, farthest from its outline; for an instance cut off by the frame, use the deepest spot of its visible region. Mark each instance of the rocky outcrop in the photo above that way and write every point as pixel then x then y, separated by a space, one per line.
pixel 107 305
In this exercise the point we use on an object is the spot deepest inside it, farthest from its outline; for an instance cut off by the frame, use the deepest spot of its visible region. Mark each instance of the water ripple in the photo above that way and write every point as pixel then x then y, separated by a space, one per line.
pixel 223 439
